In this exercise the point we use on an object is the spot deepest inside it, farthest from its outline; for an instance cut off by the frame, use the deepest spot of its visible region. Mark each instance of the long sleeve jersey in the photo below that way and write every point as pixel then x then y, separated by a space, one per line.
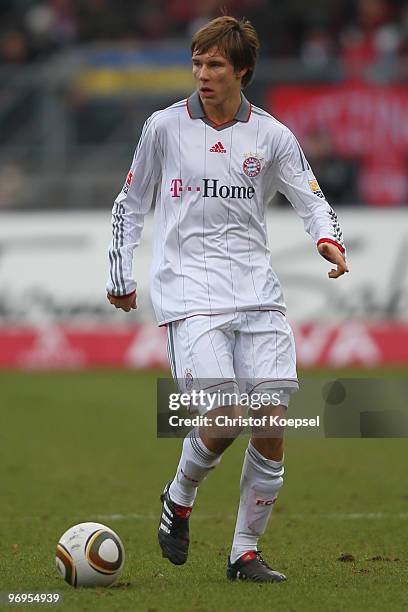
pixel 209 184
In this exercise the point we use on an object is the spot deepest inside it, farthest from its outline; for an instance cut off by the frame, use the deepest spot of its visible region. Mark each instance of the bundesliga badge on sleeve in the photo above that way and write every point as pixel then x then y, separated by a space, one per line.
pixel 315 187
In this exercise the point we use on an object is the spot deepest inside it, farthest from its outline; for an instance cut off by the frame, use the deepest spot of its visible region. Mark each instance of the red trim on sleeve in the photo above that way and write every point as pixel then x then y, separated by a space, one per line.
pixel 341 248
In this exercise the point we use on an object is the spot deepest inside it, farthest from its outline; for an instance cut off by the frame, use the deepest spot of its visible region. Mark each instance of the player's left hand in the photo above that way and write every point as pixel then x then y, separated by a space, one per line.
pixel 334 255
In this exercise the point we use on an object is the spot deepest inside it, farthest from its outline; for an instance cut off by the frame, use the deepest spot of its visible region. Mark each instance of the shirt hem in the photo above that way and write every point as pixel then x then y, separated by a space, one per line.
pixel 220 312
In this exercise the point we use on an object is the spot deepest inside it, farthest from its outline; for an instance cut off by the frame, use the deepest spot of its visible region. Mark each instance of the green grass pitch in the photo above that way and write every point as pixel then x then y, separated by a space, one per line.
pixel 82 446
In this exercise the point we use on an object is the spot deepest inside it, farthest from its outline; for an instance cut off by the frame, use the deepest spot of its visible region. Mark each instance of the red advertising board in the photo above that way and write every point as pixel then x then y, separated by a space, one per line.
pixel 144 346
pixel 363 121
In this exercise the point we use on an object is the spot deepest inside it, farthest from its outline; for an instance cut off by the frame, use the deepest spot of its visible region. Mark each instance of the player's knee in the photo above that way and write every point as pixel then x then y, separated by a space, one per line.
pixel 232 422
pixel 224 423
pixel 270 448
pixel 275 445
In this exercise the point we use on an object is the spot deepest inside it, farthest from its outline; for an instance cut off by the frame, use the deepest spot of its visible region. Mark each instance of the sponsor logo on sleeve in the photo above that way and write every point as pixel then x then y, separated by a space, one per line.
pixel 128 182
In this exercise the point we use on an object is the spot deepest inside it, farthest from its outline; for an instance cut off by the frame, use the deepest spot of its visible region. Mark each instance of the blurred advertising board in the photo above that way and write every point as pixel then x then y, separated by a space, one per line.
pixel 364 122
pixel 143 346
pixel 54 313
pixel 149 70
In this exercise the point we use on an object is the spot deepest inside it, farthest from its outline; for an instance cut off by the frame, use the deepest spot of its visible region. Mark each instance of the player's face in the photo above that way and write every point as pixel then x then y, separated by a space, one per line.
pixel 215 77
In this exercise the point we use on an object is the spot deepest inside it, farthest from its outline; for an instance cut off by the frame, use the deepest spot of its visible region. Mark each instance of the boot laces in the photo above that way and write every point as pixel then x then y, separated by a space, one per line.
pixel 262 560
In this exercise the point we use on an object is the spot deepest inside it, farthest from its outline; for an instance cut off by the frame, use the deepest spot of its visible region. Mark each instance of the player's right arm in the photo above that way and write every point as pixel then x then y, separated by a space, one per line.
pixel 129 210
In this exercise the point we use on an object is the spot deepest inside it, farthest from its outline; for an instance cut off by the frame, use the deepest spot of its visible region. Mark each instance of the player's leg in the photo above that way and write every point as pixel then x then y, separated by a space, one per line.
pixel 202 346
pixel 200 352
pixel 265 353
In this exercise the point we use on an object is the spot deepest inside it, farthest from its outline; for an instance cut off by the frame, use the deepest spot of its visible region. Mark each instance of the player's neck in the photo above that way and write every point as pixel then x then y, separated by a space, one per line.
pixel 226 111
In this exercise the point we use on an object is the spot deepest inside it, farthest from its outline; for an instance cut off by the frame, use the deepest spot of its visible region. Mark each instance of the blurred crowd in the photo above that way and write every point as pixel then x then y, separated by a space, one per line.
pixel 355 31
pixel 346 41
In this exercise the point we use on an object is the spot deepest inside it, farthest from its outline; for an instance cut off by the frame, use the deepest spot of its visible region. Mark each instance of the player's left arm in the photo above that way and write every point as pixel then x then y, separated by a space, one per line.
pixel 295 179
pixel 332 253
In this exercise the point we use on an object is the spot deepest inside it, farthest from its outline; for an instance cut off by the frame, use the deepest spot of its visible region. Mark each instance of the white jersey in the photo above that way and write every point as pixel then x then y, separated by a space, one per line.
pixel 210 184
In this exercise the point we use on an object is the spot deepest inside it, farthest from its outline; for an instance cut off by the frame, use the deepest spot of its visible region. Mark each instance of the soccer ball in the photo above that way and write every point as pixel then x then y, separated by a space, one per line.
pixel 90 555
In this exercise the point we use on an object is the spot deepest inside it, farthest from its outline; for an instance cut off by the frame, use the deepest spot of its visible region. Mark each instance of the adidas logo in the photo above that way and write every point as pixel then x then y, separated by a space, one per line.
pixel 166 517
pixel 218 148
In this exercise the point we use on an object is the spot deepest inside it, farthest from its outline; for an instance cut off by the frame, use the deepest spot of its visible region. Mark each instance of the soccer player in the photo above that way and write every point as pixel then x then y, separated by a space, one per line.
pixel 209 164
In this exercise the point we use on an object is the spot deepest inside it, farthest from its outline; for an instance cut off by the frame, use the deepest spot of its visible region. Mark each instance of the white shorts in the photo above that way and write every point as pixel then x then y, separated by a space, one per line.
pixel 252 350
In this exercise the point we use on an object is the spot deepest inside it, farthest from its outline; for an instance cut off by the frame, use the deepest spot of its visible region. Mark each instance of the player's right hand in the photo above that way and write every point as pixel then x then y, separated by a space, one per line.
pixel 124 302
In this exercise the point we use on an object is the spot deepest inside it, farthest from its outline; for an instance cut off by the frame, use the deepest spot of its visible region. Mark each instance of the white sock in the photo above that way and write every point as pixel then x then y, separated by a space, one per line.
pixel 261 480
pixel 196 462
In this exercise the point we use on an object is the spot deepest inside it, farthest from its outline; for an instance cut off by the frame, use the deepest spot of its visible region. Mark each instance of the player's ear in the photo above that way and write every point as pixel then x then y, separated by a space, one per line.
pixel 240 73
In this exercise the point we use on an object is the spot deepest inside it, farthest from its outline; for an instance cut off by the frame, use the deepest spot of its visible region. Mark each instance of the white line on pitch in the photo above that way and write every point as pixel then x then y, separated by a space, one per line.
pixel 341 516
pixel 206 517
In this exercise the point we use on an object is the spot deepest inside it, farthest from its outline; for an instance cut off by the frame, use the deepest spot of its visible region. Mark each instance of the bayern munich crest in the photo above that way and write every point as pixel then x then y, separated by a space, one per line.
pixel 252 166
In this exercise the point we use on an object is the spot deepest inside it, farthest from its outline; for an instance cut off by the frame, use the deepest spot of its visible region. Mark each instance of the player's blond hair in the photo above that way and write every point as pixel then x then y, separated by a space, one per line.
pixel 236 39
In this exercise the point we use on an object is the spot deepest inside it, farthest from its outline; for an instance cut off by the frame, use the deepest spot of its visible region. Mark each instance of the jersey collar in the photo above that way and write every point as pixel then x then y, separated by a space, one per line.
pixel 196 111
